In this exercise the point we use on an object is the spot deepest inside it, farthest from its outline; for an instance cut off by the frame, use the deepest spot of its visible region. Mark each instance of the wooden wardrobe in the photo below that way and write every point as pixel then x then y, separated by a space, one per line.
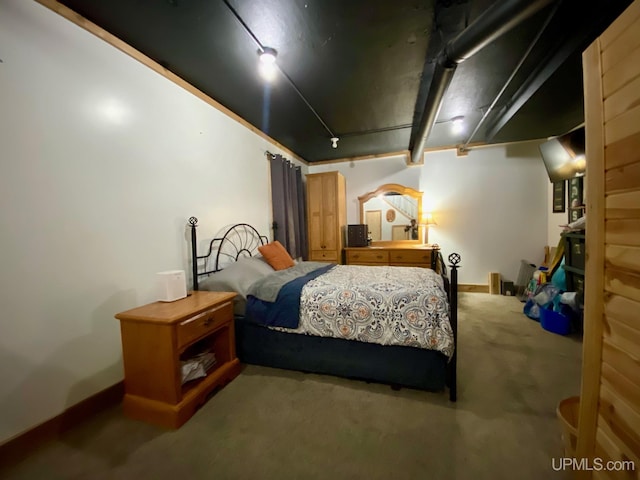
pixel 326 216
pixel 609 417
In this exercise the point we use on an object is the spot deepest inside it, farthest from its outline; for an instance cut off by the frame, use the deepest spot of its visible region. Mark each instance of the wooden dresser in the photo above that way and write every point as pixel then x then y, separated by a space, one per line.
pixel 158 337
pixel 422 256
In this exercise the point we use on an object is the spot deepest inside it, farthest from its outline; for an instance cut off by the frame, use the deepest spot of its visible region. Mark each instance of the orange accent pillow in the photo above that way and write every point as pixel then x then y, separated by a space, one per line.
pixel 276 255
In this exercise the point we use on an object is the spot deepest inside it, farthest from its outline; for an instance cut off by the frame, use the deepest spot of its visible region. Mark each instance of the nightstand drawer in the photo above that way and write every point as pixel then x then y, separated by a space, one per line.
pixel 367 256
pixel 421 257
pixel 200 325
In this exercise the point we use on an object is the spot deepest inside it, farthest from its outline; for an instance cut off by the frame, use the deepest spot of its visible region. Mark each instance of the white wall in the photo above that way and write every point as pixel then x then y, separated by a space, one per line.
pixel 491 205
pixel 103 161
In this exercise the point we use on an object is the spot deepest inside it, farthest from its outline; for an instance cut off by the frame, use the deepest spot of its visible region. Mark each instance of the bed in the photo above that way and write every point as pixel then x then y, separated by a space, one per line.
pixel 392 325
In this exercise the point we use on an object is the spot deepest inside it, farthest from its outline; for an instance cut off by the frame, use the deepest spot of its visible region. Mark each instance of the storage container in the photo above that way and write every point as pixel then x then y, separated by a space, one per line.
pixel 554 321
pixel 575 250
pixel 575 280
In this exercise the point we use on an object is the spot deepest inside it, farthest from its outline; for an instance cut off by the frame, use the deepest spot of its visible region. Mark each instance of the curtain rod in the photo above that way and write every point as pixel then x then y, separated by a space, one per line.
pixel 290 162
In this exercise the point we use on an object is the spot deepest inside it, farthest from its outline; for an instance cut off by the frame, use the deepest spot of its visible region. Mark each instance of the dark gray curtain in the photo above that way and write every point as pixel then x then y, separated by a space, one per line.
pixel 288 200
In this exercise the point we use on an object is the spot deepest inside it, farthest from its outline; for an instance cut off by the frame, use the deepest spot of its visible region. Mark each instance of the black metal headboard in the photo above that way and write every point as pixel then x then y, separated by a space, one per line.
pixel 238 240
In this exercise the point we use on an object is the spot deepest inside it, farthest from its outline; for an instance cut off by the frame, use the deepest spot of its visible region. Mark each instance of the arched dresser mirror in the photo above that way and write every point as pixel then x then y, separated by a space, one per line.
pixel 388 211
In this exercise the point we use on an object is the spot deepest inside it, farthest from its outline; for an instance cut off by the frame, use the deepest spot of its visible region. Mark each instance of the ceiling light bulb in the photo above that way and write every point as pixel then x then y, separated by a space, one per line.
pixel 268 56
pixel 267 67
pixel 334 142
pixel 457 124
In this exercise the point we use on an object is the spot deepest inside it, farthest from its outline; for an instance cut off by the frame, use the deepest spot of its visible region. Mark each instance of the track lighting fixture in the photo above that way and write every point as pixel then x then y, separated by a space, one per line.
pixel 268 68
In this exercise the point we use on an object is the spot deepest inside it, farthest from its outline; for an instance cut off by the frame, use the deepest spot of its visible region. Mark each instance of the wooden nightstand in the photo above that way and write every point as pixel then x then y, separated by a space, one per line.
pixel 157 337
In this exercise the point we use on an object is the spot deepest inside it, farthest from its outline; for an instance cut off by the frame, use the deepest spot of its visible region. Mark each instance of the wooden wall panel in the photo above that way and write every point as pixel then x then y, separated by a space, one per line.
pixel 621 74
pixel 623 232
pixel 623 205
pixel 624 22
pixel 622 373
pixel 623 152
pixel 622 283
pixel 627 39
pixel 623 125
pixel 619 383
pixel 621 100
pixel 622 309
pixel 626 258
pixel 621 419
pixel 622 178
pixel 609 426
pixel 623 337
pixel 607 450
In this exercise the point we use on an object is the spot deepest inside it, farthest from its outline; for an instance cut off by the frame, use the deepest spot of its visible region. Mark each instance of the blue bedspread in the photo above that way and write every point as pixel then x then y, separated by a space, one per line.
pixel 285 311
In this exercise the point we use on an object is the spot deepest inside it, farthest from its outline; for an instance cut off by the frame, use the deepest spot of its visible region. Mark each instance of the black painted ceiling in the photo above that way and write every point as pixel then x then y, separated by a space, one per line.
pixel 360 69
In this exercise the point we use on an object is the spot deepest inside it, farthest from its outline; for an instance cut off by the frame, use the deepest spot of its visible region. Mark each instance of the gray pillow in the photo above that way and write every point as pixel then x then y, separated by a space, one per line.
pixel 237 277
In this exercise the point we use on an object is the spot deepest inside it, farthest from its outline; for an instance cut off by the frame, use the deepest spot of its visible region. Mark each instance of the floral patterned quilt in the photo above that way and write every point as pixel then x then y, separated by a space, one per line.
pixel 386 305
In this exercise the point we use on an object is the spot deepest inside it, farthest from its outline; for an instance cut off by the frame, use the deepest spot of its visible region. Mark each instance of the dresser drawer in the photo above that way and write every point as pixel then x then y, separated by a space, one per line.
pixel 324 256
pixel 419 257
pixel 371 256
pixel 575 282
pixel 199 325
pixel 575 253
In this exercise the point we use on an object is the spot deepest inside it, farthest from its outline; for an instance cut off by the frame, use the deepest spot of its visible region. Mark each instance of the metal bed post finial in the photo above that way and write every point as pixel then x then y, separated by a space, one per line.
pixel 193 223
pixel 454 260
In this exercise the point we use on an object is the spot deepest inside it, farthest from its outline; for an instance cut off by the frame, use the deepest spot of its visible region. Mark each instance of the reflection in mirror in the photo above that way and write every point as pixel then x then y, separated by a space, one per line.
pixel 392 213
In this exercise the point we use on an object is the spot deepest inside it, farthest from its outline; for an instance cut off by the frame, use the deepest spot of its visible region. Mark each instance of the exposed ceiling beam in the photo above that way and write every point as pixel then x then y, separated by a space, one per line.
pixel 501 17
pixel 521 62
pixel 543 72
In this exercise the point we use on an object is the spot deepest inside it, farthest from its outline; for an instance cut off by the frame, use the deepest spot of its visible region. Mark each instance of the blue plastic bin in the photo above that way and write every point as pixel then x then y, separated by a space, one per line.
pixel 555 322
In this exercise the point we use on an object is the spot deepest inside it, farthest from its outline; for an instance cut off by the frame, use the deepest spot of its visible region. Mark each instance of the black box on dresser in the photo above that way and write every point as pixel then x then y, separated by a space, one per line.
pixel 357 235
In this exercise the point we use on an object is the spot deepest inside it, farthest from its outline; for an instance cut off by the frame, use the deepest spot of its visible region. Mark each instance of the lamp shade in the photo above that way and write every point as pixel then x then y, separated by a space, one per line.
pixel 428 220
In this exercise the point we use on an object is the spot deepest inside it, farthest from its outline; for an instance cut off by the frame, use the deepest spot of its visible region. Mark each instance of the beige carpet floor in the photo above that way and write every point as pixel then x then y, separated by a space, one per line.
pixel 277 424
